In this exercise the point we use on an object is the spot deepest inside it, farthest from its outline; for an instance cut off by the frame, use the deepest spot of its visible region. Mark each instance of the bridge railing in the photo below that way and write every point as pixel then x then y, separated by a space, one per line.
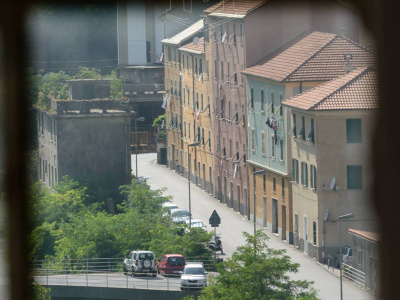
pixel 104 272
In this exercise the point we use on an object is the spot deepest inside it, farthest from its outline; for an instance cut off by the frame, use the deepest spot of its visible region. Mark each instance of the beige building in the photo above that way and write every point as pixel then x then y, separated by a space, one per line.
pixel 331 131
pixel 174 86
pixel 196 111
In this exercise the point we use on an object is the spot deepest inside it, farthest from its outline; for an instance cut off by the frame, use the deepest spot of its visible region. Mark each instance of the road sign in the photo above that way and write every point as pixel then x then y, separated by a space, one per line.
pixel 215 220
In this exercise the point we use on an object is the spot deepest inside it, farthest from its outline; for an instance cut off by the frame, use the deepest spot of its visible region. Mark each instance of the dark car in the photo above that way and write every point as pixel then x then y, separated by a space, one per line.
pixel 171 264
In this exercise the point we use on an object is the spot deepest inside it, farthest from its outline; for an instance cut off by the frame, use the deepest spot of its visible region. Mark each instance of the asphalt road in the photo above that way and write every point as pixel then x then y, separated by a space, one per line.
pixel 233 224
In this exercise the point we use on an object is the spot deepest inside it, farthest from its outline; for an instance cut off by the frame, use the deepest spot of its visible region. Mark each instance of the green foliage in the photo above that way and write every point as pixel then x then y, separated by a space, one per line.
pixel 40 292
pixel 158 121
pixel 256 271
pixel 162 133
pixel 69 225
pixel 116 86
pixel 87 73
pixel 51 85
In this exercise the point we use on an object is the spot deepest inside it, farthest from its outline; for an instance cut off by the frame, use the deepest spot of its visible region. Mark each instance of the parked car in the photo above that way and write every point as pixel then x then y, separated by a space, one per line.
pixel 196 223
pixel 171 264
pixel 167 206
pixel 347 255
pixel 193 276
pixel 179 215
pixel 140 262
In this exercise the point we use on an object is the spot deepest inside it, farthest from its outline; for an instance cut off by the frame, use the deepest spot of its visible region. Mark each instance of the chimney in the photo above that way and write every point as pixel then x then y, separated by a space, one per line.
pixel 347 57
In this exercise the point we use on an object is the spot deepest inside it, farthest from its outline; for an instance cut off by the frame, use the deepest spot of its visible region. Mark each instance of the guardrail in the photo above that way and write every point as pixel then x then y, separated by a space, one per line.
pixel 105 272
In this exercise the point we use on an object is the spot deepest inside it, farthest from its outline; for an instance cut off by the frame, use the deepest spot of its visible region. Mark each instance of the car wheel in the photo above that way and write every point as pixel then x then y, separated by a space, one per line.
pixel 125 270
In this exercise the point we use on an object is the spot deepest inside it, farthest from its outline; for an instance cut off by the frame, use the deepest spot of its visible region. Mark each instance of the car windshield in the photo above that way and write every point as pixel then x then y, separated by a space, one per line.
pixel 198 224
pixel 180 213
pixel 193 271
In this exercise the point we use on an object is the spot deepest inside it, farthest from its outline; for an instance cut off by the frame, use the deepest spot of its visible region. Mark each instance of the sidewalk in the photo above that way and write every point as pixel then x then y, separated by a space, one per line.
pixel 330 269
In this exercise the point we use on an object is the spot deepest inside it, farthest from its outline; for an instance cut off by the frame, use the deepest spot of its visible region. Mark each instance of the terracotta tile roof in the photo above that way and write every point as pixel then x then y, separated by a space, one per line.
pixel 373 236
pixel 316 57
pixel 355 90
pixel 190 47
pixel 235 7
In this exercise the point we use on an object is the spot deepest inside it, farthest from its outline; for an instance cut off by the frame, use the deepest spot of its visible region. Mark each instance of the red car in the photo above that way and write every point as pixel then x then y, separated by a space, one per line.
pixel 171 264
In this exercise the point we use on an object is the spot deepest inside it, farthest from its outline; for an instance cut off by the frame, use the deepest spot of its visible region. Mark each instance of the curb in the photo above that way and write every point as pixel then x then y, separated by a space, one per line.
pixel 337 274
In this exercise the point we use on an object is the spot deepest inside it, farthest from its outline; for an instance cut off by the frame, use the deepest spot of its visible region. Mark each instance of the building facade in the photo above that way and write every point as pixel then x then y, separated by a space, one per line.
pixel 331 128
pixel 85 139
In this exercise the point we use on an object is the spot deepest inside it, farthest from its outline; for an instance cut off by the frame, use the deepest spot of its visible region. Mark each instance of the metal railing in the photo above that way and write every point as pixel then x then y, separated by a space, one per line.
pixel 354 276
pixel 103 272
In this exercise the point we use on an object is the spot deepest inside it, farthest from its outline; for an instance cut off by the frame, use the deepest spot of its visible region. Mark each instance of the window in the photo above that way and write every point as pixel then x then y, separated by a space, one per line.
pixel 183 62
pixel 228 72
pixel 202 136
pixel 184 97
pixel 264 183
pixel 313 177
pixel 353 130
pixel 274 184
pixel 188 92
pixel 272 102
pixel 354 177
pixel 242 32
pixel 234 33
pixel 280 105
pixel 200 66
pixel 208 70
pixel 281 146
pixel 187 62
pixel 195 66
pixel 169 54
pixel 253 140
pixel 304 174
pixel 295 170
pixel 189 130
pixel 293 130
pixel 184 129
pixel 174 55
pixel 262 142
pixel 310 137
pixel 314 226
pixel 273 147
pixel 251 98
pixel 201 102
pixel 216 69
pixel 283 188
pixel 302 130
pixel 209 140
pixel 230 148
pixel 262 100
pixel 222 70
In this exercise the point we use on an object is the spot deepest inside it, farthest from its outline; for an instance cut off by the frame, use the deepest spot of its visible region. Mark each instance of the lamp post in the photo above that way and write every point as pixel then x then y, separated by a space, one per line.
pixel 190 203
pixel 254 200
pixel 344 217
pixel 138 119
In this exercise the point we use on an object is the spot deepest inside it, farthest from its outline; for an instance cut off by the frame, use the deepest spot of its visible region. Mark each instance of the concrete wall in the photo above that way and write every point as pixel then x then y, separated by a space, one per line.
pixel 92 293
pixel 94 145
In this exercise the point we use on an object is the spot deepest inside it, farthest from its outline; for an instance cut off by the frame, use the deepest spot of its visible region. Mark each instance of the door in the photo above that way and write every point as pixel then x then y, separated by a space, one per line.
pixel 296 230
pixel 274 216
pixel 283 222
pixel 305 226
pixel 225 191
pixel 204 177
pixel 219 189
pixel 264 212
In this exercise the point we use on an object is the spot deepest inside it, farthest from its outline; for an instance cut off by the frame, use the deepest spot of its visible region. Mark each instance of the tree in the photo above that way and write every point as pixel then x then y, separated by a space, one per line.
pixel 256 271
pixel 87 73
pixel 116 86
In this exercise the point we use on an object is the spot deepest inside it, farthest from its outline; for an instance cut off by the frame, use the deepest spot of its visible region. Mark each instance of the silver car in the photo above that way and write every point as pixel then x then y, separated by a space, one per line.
pixel 179 215
pixel 193 276
pixel 140 262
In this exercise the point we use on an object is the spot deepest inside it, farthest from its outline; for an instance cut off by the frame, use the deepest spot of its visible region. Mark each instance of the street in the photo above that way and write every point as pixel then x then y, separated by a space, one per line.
pixel 233 224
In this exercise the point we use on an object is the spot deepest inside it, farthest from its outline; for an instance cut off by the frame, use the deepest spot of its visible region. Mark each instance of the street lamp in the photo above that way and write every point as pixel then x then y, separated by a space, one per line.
pixel 344 217
pixel 138 119
pixel 254 200
pixel 190 204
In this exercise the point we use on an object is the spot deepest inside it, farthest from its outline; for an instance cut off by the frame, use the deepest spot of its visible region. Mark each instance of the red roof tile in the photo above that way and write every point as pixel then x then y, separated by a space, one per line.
pixel 192 47
pixel 316 57
pixel 373 236
pixel 355 90
pixel 239 7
